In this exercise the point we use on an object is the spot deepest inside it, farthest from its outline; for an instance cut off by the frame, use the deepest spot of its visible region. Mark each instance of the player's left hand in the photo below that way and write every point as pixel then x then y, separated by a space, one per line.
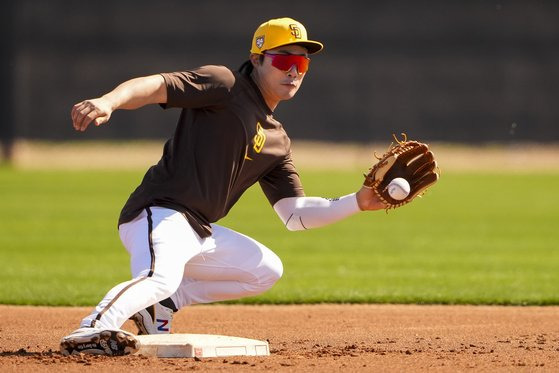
pixel 367 200
pixel 408 160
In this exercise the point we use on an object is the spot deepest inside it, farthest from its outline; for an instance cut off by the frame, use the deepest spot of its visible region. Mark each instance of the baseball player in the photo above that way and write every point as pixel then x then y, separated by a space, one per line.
pixel 226 139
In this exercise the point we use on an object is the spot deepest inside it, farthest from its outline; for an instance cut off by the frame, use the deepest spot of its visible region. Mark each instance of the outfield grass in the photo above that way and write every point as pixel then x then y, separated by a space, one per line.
pixel 474 238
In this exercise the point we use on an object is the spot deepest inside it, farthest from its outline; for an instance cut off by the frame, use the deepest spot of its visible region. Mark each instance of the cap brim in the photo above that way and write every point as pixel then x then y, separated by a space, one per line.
pixel 311 46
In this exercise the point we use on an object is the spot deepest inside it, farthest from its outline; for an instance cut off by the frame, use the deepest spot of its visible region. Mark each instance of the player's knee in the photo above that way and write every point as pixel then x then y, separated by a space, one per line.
pixel 271 271
pixel 268 272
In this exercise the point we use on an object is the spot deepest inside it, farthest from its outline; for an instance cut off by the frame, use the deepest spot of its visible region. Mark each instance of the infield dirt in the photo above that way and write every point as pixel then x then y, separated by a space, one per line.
pixel 312 338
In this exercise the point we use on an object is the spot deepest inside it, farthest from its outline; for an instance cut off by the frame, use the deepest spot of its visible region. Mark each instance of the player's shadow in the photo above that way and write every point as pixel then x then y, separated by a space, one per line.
pixel 24 352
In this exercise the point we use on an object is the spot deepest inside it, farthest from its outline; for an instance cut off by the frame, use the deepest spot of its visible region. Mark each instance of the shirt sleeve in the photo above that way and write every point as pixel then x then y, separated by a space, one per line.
pixel 282 181
pixel 202 87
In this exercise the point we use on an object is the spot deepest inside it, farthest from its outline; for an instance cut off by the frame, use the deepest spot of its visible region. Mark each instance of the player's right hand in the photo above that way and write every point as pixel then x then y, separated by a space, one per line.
pixel 97 110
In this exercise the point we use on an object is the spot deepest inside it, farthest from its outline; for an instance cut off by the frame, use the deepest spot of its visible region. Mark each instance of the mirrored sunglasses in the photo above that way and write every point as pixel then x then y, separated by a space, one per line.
pixel 284 62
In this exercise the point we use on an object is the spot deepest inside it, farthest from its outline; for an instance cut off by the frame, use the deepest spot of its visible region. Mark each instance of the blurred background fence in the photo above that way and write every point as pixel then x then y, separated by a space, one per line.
pixel 454 71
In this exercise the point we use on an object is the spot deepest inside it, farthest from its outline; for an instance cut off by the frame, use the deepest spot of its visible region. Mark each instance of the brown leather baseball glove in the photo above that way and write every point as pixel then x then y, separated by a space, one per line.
pixel 410 160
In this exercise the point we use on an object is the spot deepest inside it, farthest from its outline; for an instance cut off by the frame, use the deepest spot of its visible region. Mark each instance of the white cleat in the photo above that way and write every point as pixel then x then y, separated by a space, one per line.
pixel 99 342
pixel 155 319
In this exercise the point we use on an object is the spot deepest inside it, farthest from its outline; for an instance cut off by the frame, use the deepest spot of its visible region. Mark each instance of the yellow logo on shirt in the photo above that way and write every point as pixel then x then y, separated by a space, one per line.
pixel 259 139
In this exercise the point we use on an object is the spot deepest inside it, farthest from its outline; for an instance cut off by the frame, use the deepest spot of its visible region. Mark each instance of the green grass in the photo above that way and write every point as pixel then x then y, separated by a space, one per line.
pixel 474 238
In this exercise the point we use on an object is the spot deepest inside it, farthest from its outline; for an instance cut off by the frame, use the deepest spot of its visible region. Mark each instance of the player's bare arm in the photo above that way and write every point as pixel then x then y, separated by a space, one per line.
pixel 129 95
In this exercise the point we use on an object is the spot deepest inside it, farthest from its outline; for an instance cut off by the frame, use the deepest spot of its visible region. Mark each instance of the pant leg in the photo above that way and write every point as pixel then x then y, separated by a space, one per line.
pixel 230 266
pixel 160 242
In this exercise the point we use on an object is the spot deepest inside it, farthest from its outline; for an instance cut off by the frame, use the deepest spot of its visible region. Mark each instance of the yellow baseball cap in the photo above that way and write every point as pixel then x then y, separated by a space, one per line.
pixel 282 31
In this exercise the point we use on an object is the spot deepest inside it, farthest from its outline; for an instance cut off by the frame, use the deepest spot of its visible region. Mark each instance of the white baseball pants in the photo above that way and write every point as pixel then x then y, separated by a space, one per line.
pixel 168 259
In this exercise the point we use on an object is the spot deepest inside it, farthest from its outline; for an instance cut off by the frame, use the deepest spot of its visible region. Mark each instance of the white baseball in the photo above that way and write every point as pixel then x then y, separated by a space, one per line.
pixel 399 188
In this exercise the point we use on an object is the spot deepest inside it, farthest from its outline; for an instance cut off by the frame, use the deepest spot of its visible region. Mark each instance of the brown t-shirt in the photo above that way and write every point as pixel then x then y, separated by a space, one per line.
pixel 225 141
